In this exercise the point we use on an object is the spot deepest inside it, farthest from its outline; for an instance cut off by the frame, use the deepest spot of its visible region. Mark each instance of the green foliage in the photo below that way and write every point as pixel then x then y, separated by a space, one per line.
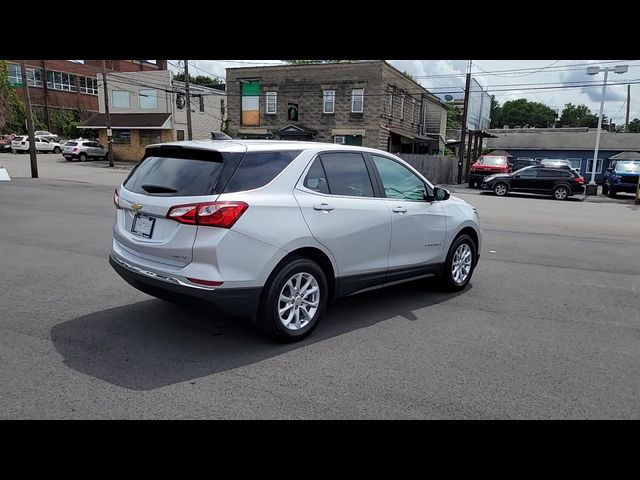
pixel 634 126
pixel 201 80
pixel 453 116
pixel 522 112
pixel 579 116
pixel 226 129
pixel 12 111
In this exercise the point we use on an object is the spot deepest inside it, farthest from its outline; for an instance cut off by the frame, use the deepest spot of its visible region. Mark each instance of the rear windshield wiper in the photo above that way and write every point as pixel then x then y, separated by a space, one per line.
pixel 158 189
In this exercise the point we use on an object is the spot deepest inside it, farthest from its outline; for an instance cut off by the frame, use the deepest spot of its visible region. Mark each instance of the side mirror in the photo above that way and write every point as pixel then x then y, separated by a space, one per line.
pixel 439 194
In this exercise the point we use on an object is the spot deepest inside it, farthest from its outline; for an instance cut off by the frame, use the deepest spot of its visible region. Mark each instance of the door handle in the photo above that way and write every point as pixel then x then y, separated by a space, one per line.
pixel 325 207
pixel 399 210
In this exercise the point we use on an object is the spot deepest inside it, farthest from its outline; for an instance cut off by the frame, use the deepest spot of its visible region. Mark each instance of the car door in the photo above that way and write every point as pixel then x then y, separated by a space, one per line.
pixel 343 213
pixel 548 178
pixel 44 145
pixel 524 181
pixel 418 226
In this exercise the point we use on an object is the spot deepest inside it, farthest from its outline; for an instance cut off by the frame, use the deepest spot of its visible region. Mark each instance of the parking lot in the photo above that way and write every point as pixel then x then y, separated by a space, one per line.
pixel 549 327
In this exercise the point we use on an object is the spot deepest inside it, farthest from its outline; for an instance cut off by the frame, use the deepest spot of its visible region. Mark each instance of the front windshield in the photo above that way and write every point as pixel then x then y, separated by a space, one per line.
pixel 628 166
pixel 493 160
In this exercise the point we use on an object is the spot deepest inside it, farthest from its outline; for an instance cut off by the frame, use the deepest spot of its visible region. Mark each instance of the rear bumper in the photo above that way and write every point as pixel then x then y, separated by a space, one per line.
pixel 233 301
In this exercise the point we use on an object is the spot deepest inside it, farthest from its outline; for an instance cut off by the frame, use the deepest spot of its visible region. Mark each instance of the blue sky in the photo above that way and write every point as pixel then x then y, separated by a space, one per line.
pixel 530 81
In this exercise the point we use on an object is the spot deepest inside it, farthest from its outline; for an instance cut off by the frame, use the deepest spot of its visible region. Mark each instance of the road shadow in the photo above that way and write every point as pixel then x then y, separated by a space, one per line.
pixel 574 198
pixel 151 344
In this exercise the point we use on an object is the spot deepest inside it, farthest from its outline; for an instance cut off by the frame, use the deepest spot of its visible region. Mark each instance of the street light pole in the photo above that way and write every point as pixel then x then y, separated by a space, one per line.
pixel 592 187
pixel 595 150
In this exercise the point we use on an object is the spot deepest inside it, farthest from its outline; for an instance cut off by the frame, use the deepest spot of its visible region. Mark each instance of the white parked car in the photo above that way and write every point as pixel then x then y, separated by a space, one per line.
pixel 275 230
pixel 21 144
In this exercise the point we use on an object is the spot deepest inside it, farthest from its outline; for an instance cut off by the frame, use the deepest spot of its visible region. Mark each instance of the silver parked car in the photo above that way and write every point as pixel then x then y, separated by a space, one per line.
pixel 275 230
pixel 83 150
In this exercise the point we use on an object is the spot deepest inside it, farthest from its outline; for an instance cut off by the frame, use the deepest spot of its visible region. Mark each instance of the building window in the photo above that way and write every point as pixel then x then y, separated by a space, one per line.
pixel 402 107
pixel 575 162
pixel 89 85
pixel 148 99
pixel 357 100
pixel 329 101
pixel 180 135
pixel 390 105
pixel 61 81
pixel 272 103
pixel 34 77
pixel 122 137
pixel 598 166
pixel 15 74
pixel 120 98
pixel 250 106
pixel 340 139
pixel 201 97
pixel 149 137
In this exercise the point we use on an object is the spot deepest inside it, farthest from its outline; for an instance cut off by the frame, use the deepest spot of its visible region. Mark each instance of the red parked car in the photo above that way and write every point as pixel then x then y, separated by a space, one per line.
pixel 485 166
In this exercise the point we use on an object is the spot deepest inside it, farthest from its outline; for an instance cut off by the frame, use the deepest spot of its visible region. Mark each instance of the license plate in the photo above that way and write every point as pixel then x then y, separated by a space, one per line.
pixel 143 226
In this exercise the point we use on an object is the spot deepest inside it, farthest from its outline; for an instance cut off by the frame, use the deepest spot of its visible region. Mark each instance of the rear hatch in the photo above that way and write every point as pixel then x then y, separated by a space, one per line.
pixel 68 148
pixel 167 177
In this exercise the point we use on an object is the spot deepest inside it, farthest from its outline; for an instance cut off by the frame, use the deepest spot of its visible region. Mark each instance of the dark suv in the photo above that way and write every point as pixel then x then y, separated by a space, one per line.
pixel 559 182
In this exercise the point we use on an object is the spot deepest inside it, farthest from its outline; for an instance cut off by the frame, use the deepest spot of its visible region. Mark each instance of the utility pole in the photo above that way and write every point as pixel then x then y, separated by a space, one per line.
pixel 106 109
pixel 32 140
pixel 463 127
pixel 188 95
pixel 626 122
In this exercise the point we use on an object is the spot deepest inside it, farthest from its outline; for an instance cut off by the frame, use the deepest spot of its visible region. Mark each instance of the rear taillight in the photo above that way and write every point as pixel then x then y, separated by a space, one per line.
pixel 579 180
pixel 116 199
pixel 210 214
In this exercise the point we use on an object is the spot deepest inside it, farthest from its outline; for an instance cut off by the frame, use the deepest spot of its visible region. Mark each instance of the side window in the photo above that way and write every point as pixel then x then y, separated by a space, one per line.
pixel 347 174
pixel 316 179
pixel 529 173
pixel 398 181
pixel 259 168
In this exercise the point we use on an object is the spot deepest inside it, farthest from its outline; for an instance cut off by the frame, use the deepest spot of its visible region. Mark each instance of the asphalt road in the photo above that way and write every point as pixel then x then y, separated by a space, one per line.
pixel 549 327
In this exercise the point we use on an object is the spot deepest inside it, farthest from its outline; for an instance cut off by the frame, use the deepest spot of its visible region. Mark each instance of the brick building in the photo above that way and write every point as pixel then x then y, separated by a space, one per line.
pixel 65 86
pixel 150 107
pixel 366 103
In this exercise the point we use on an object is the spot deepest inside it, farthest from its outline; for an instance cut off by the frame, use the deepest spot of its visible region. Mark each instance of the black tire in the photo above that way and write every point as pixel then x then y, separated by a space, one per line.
pixel 83 157
pixel 68 159
pixel 561 193
pixel 447 281
pixel 499 191
pixel 57 150
pixel 472 183
pixel 605 189
pixel 612 193
pixel 268 319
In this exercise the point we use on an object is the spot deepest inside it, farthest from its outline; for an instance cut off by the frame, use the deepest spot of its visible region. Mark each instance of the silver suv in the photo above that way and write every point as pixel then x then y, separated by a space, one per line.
pixel 83 150
pixel 275 230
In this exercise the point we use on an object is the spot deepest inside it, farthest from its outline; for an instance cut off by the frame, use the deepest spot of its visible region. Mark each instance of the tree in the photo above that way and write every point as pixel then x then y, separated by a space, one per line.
pixel 579 116
pixel 496 113
pixel 453 116
pixel 522 112
pixel 201 80
pixel 12 110
pixel 634 125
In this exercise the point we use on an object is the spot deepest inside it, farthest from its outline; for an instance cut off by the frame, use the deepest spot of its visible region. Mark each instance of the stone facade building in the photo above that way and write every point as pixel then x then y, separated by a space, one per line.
pixel 367 103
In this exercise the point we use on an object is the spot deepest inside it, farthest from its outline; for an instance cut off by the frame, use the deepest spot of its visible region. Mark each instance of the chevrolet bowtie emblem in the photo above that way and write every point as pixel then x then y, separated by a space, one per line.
pixel 136 206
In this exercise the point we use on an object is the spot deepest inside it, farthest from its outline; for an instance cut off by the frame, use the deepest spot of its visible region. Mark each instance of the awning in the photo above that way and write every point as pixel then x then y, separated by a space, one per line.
pixel 139 121
pixel 413 136
pixel 626 156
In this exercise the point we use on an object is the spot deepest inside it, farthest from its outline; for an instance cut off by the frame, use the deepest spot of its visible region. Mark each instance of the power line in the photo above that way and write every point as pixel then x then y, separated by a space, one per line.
pixel 517 76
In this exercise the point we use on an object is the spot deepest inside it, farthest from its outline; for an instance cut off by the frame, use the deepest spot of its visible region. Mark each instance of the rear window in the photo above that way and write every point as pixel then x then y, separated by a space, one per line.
pixel 259 168
pixel 71 144
pixel 493 160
